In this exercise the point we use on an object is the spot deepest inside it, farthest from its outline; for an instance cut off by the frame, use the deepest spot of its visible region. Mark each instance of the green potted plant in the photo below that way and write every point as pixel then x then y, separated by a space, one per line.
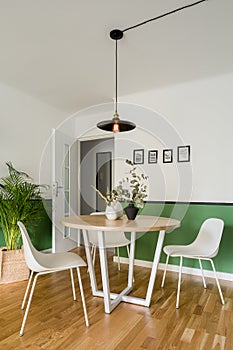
pixel 19 201
pixel 132 189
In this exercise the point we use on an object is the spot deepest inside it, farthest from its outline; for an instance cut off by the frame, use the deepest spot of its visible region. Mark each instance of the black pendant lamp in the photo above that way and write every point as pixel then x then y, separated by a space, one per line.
pixel 116 124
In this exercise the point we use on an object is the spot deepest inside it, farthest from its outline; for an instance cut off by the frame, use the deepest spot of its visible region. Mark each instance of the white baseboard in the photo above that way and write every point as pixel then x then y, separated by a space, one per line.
pixel 188 270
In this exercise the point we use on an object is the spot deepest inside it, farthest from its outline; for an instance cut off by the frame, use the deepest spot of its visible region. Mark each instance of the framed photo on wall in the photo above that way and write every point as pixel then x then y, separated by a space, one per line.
pixel 152 156
pixel 167 156
pixel 183 154
pixel 138 156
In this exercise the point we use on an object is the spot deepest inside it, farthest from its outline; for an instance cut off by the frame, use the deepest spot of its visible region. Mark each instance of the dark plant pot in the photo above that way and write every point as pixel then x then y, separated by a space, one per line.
pixel 131 212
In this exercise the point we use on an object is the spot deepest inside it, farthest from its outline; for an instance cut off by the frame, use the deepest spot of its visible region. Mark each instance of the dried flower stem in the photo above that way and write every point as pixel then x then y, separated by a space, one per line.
pixel 100 194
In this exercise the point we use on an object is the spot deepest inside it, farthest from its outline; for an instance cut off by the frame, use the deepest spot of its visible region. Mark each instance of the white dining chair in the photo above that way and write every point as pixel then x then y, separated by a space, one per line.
pixel 112 240
pixel 43 263
pixel 204 247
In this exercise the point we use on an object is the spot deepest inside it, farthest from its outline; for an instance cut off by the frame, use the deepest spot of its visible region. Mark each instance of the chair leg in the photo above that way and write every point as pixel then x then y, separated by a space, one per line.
pixel 202 273
pixel 72 283
pixel 82 297
pixel 118 259
pixel 216 278
pixel 28 305
pixel 165 271
pixel 179 282
pixel 92 249
pixel 94 255
pixel 27 290
pixel 127 247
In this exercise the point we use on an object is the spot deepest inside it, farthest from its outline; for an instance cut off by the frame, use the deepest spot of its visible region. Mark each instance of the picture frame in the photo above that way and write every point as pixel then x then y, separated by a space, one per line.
pixel 153 156
pixel 167 156
pixel 138 156
pixel 183 154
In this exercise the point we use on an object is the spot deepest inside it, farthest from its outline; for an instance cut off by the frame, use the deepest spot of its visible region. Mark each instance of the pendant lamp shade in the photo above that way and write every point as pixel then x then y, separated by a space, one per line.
pixel 116 124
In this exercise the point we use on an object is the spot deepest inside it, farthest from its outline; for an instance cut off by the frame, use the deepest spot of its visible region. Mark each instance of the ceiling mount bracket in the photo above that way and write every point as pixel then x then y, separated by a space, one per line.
pixel 116 34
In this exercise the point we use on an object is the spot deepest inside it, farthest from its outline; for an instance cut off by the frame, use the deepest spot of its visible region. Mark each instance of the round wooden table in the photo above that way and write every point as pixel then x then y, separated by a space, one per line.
pixel 102 226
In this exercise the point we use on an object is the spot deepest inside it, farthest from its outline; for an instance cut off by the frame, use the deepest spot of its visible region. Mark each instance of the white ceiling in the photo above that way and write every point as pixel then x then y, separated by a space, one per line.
pixel 60 51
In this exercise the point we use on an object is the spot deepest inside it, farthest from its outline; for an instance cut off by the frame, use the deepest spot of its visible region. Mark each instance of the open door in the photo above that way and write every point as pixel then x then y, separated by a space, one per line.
pixel 64 194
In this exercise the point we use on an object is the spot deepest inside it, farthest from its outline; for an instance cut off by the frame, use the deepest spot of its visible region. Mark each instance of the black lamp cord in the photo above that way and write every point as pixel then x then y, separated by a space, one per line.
pixel 145 22
pixel 116 78
pixel 163 15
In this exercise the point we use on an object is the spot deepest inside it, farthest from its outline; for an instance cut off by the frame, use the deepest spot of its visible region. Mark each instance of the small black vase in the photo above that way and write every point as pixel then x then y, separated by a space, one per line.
pixel 131 212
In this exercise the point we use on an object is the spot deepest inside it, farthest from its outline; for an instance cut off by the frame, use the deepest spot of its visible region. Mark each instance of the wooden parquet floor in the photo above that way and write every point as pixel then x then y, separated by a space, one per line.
pixel 55 321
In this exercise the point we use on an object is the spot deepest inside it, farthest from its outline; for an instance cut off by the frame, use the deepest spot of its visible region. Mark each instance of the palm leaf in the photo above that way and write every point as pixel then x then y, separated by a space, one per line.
pixel 19 201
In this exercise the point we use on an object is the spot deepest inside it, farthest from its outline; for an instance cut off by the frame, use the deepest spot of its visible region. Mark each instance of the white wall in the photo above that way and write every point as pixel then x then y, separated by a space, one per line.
pixel 196 113
pixel 26 125
pixel 164 179
pixel 201 113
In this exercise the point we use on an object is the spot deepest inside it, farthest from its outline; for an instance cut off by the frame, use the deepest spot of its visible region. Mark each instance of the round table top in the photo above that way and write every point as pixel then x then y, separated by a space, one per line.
pixel 142 223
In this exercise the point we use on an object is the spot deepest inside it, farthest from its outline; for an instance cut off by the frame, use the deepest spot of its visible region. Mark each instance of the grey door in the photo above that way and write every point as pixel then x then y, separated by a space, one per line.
pixel 103 177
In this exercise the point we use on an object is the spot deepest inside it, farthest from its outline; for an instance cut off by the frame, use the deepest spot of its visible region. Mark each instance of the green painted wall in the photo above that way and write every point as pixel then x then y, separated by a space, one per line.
pixel 40 231
pixel 190 224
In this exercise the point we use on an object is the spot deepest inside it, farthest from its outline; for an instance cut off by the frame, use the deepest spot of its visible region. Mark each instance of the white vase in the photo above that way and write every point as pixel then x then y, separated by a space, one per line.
pixel 114 211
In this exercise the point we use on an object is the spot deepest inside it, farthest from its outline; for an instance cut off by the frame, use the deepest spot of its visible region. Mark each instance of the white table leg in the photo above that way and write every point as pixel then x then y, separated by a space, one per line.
pixel 104 272
pixel 131 259
pixel 154 267
pixel 109 304
pixel 146 301
pixel 91 269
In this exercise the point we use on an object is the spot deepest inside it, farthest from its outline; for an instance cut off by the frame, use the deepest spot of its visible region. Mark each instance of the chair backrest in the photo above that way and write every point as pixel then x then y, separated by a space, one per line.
pixel 31 255
pixel 209 237
pixel 112 239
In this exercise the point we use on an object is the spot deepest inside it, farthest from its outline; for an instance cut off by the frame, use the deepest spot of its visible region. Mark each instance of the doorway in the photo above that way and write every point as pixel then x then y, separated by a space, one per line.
pixel 103 177
pixel 96 169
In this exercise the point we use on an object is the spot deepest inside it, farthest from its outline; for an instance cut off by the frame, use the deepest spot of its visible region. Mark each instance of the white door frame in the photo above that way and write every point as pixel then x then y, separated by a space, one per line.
pixel 59 242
